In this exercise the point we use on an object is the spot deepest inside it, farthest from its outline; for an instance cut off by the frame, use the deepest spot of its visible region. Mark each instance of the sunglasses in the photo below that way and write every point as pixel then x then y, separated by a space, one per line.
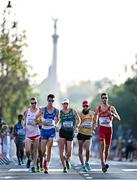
pixel 85 106
pixel 104 97
pixel 33 102
pixel 50 100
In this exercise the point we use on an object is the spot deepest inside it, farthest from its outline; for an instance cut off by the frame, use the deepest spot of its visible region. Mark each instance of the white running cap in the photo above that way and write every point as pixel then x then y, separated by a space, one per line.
pixel 65 100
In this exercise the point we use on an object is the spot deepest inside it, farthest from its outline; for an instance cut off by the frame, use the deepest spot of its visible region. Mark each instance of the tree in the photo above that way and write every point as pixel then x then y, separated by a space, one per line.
pixel 15 87
pixel 124 98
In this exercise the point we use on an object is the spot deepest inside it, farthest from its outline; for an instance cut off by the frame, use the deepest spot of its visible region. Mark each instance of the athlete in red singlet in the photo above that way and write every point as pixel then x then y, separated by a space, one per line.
pixel 105 114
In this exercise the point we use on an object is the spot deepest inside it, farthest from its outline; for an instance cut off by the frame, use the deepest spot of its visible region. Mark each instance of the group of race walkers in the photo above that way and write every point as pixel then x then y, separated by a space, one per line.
pixel 38 127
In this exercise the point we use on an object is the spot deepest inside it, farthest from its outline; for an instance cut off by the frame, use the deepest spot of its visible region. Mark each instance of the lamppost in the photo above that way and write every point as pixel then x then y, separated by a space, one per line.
pixel 8 25
pixel 6 38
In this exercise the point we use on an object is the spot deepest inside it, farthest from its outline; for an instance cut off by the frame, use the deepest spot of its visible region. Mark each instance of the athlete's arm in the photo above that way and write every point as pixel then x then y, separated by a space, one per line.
pixel 80 115
pixel 114 113
pixel 14 131
pixel 78 122
pixel 25 114
pixel 39 115
pixel 57 118
pixel 95 119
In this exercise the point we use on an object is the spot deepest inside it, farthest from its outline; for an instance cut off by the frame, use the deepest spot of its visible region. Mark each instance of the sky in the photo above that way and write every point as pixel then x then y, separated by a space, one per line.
pixel 97 38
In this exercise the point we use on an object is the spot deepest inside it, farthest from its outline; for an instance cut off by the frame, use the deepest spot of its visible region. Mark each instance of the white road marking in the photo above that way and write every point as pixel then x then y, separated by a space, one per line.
pixel 8 177
pixel 86 174
pixel 100 170
pixel 18 170
pixel 27 170
pixel 129 170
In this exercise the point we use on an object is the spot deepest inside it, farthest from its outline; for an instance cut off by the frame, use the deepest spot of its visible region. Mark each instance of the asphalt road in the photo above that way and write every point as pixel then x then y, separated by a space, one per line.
pixel 117 170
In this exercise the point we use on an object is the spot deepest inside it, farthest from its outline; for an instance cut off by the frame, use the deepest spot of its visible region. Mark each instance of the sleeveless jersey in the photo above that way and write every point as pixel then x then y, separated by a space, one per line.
pixel 31 130
pixel 20 131
pixel 105 119
pixel 68 120
pixel 86 122
pixel 49 118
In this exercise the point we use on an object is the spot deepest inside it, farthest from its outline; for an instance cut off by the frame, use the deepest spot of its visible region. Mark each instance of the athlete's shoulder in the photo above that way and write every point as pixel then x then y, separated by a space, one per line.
pixel 80 114
pixel 73 110
pixel 91 112
pixel 56 110
pixel 41 108
pixel 112 107
pixel 98 109
pixel 25 113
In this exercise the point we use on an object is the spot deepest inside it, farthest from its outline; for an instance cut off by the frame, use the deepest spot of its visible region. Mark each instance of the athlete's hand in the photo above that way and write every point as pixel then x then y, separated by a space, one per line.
pixel 81 126
pixel 44 123
pixel 57 128
pixel 93 131
pixel 111 113
pixel 76 130
pixel 33 123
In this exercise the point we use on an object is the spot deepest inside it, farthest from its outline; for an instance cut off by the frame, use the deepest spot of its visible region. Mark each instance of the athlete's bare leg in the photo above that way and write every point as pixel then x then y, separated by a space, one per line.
pixel 49 149
pixel 87 144
pixel 35 151
pixel 102 152
pixel 43 147
pixel 62 142
pixel 106 152
pixel 69 150
pixel 28 144
pixel 80 152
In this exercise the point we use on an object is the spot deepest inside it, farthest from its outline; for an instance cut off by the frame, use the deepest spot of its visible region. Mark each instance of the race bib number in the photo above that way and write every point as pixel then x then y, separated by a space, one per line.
pixel 49 122
pixel 104 120
pixel 87 124
pixel 30 122
pixel 21 132
pixel 68 124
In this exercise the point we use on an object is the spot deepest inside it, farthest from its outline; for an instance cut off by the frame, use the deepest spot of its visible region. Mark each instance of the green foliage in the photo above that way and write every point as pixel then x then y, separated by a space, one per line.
pixel 124 98
pixel 15 88
pixel 87 90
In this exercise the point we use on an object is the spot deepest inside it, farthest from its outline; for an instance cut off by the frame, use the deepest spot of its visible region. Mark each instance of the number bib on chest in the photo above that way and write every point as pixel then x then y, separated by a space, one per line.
pixel 21 132
pixel 104 120
pixel 30 122
pixel 68 124
pixel 87 124
pixel 49 122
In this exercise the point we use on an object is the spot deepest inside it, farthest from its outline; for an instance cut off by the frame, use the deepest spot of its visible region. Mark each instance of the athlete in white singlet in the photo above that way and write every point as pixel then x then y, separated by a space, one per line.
pixel 32 134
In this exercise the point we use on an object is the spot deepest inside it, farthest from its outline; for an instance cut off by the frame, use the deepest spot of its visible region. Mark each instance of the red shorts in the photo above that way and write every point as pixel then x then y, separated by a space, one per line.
pixel 34 137
pixel 105 133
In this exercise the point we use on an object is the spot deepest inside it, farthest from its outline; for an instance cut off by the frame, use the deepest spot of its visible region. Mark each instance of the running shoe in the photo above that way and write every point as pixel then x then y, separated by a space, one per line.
pixel 19 163
pixel 45 167
pixel 33 169
pixel 84 168
pixel 87 165
pixel 46 171
pixel 28 163
pixel 38 169
pixel 22 162
pixel 68 165
pixel 65 170
pixel 105 168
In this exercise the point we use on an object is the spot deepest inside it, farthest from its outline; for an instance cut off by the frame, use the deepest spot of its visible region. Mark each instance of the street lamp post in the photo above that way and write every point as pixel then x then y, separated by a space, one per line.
pixel 6 39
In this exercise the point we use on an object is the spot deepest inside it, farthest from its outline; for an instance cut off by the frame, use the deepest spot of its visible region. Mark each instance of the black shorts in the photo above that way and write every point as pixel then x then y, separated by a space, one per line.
pixel 67 134
pixel 83 137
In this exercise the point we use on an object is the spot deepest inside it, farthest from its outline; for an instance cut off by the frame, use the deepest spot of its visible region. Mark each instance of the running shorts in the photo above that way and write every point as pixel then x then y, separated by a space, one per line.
pixel 83 137
pixel 68 135
pixel 105 133
pixel 48 133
